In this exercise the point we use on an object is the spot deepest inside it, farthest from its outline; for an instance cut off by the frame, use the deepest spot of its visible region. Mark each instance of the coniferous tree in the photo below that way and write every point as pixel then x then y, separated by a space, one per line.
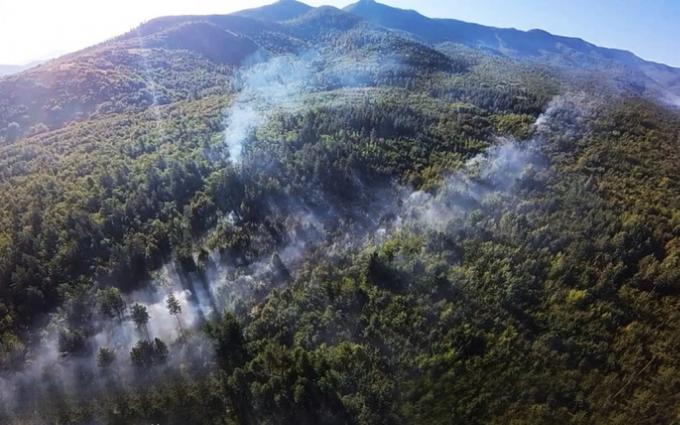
pixel 175 309
pixel 140 316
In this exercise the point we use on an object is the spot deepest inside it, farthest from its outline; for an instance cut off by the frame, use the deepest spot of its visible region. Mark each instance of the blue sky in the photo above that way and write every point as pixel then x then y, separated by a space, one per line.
pixel 38 29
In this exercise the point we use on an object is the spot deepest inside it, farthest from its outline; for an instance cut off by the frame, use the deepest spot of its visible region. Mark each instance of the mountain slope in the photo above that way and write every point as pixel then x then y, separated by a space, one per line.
pixel 296 216
pixel 321 23
pixel 205 39
pixel 171 59
pixel 535 45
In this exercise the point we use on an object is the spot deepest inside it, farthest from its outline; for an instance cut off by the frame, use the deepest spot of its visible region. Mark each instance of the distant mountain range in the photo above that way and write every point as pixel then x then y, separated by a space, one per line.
pixel 11 69
pixel 14 69
pixel 112 76
pixel 536 45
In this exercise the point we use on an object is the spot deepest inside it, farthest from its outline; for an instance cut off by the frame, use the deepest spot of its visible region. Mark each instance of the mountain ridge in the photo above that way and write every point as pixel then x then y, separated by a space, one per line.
pixel 300 216
pixel 369 8
pixel 433 30
pixel 9 69
pixel 284 27
pixel 282 10
pixel 536 45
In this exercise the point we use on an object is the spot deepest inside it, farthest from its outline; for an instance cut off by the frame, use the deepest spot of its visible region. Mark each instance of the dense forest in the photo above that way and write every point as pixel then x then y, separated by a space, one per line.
pixel 295 216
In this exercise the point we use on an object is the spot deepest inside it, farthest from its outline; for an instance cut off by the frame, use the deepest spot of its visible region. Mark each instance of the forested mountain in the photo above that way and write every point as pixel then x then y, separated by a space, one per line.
pixel 536 45
pixel 311 215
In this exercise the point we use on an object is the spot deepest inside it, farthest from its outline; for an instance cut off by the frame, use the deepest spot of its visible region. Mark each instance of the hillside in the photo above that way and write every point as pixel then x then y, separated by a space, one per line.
pixel 536 45
pixel 297 215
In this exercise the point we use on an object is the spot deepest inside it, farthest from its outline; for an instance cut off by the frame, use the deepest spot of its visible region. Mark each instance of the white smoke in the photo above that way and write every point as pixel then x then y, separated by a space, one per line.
pixel 263 90
pixel 282 84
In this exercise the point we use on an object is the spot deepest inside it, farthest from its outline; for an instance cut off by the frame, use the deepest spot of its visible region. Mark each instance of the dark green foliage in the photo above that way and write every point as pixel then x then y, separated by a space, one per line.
pixel 173 305
pixel 126 202
pixel 72 342
pixel 139 315
pixel 227 335
pixel 105 357
pixel 556 303
pixel 512 315
pixel 149 353
pixel 111 302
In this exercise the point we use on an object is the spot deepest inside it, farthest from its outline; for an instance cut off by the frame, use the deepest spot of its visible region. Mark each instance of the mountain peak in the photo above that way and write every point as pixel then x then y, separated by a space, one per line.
pixel 282 10
pixel 375 11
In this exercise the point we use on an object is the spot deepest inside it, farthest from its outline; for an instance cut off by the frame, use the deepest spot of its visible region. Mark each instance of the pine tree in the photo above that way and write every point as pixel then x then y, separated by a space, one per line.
pixel 105 357
pixel 175 309
pixel 140 316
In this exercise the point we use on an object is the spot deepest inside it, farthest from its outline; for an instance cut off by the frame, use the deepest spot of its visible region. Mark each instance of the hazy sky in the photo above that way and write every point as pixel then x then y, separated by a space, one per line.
pixel 38 29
